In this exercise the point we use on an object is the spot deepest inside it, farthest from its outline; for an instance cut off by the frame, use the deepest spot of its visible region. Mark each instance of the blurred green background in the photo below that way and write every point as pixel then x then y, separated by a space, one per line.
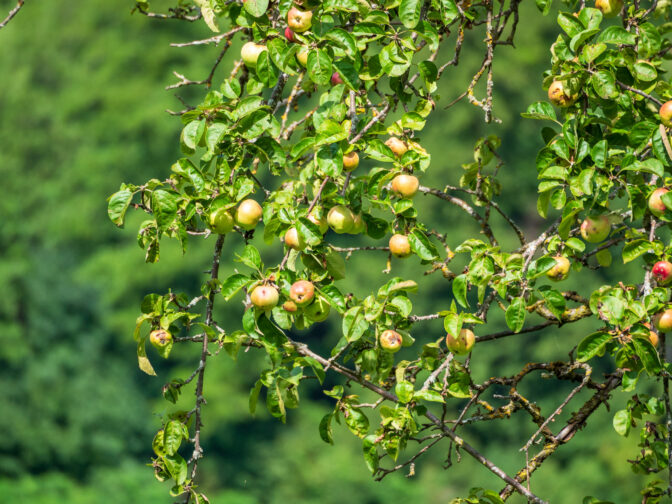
pixel 82 109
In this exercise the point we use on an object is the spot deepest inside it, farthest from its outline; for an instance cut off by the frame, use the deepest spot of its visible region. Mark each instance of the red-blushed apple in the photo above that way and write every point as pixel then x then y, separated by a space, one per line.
pixel 595 229
pixel 662 272
pixel 318 310
pixel 341 219
pixel 666 113
pixel 405 185
pixel 293 240
pixel 609 8
pixel 221 221
pixel 350 161
pixel 358 225
pixel 289 34
pixel 336 79
pixel 248 214
pixel 302 292
pixel 559 95
pixel 289 306
pixel 656 205
pixel 390 341
pixel 397 145
pixel 463 343
pixel 302 57
pixel 560 270
pixel 400 246
pixel 317 217
pixel 299 21
pixel 663 320
pixel 265 297
pixel 160 338
pixel 250 53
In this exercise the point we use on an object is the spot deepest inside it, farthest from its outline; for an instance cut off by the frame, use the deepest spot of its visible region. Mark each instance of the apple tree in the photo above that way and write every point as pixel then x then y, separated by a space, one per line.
pixel 315 132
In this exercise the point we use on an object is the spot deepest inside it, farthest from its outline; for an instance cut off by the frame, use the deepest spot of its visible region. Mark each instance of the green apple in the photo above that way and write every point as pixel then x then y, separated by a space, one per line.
pixel 318 310
pixel 317 217
pixel 560 270
pixel 221 221
pixel 405 185
pixel 160 338
pixel 609 8
pixel 250 53
pixel 390 341
pixel 595 229
pixel 294 240
pixel 463 343
pixel 248 214
pixel 265 297
pixel 400 246
pixel 350 161
pixel 397 145
pixel 341 219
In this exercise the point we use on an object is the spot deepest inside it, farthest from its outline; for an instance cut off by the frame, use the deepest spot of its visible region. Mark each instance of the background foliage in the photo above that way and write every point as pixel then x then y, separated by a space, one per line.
pixel 83 108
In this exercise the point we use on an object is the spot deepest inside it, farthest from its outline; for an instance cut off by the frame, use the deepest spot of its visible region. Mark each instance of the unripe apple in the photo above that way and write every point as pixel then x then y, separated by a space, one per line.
pixel 400 246
pixel 293 240
pixel 561 269
pixel 390 341
pixel 248 214
pixel 317 217
pixel 405 185
pixel 350 161
pixel 299 21
pixel 302 292
pixel 318 310
pixel 290 306
pixel 653 338
pixel 264 297
pixel 663 320
pixel 397 145
pixel 662 272
pixel 609 8
pixel 302 57
pixel 656 204
pixel 160 338
pixel 595 229
pixel 358 225
pixel 341 219
pixel 221 221
pixel 250 53
pixel 666 113
pixel 289 34
pixel 336 79
pixel 559 95
pixel 463 343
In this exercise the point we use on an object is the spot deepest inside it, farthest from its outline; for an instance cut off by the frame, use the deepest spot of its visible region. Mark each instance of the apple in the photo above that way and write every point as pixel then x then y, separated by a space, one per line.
pixel 463 343
pixel 609 7
pixel 405 185
pixel 248 214
pixel 290 306
pixel 299 21
pixel 221 221
pixel 397 145
pixel 400 246
pixel 350 161
pixel 390 341
pixel 289 34
pixel 663 320
pixel 656 204
pixel 160 338
pixel 250 53
pixel 358 225
pixel 341 219
pixel 336 79
pixel 317 217
pixel 561 269
pixel 293 240
pixel 302 292
pixel 559 96
pixel 302 57
pixel 318 310
pixel 666 113
pixel 653 338
pixel 595 229
pixel 264 297
pixel 662 272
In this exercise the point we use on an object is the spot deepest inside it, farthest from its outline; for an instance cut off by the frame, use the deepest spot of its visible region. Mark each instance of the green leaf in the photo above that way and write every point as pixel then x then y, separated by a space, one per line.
pixel 118 204
pixel 409 12
pixel 354 323
pixel 164 208
pixel 319 67
pixel 604 84
pixel 356 421
pixel 591 345
pixel 422 246
pixel 540 110
pixel 309 231
pixel 404 391
pixel 429 395
pixel 460 290
pixel 515 314
pixel 254 397
pixel 635 248
pixel 617 35
pixel 622 422
pixel 648 355
pixel 326 433
pixel 348 73
pixel 233 284
pixel 256 8
pixel 370 453
pixel 172 436
pixel 569 24
pixel 266 70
